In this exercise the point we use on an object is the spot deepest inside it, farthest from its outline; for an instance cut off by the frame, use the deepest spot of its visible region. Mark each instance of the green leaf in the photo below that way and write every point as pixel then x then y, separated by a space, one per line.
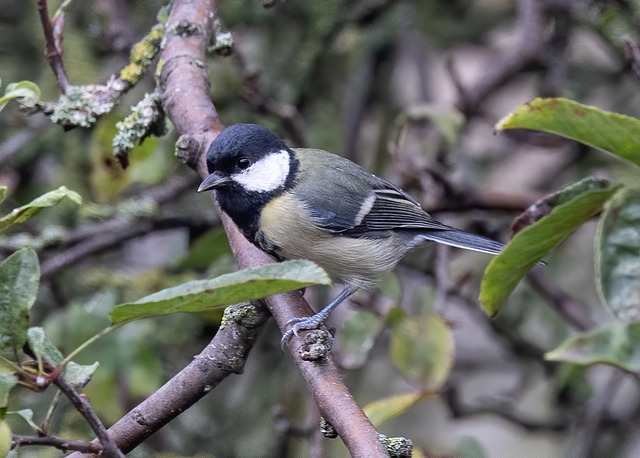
pixel 21 214
pixel 27 93
pixel 612 132
pixel 446 119
pixel 3 192
pixel 358 335
pixel 206 249
pixel 246 285
pixel 532 243
pixel 79 374
pixel 544 206
pixel 26 415
pixel 76 374
pixel 617 255
pixel 469 447
pixel 7 382
pixel 617 344
pixel 5 438
pixel 422 349
pixel 385 409
pixel 42 347
pixel 19 280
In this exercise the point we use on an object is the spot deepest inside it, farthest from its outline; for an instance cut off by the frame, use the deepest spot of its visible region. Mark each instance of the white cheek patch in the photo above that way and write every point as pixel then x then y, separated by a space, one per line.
pixel 266 175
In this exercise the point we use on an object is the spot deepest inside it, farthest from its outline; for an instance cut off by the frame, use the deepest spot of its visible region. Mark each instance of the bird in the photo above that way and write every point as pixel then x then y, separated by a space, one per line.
pixel 307 203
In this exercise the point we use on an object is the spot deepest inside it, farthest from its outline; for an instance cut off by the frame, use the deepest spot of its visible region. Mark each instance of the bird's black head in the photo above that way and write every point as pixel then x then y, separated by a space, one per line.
pixel 249 165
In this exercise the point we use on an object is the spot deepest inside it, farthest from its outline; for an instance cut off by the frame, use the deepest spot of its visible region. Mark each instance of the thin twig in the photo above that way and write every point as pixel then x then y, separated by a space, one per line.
pixel 571 310
pixel 80 402
pixel 255 96
pixel 530 44
pixel 596 411
pixel 458 410
pixel 18 441
pixel 52 52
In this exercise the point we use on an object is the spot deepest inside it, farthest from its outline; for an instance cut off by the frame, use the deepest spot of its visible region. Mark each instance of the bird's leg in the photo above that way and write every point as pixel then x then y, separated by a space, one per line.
pixel 315 321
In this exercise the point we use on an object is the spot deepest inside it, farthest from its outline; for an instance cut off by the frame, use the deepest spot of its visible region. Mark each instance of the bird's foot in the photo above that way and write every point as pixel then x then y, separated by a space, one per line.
pixel 303 324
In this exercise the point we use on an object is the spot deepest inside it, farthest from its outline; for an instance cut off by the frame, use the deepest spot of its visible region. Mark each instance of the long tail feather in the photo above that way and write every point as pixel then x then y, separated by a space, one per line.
pixel 460 239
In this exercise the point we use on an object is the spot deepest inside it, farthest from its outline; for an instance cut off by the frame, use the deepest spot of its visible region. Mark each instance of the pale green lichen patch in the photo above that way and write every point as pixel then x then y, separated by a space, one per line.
pixel 82 105
pixel 146 118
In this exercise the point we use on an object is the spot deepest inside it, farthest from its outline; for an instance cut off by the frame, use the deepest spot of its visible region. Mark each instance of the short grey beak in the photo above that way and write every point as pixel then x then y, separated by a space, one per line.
pixel 213 181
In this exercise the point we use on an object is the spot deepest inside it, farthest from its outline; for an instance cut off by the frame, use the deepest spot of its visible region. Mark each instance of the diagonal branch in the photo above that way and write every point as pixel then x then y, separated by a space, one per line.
pixel 187 102
pixel 53 51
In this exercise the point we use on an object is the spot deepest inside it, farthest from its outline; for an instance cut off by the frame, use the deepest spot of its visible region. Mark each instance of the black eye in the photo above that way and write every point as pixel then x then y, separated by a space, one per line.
pixel 243 163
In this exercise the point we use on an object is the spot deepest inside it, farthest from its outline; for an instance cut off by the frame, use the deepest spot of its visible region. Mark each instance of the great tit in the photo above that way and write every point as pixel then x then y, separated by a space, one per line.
pixel 305 203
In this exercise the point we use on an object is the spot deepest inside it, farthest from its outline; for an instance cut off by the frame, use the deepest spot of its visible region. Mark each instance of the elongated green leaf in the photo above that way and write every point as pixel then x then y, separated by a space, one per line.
pixel 5 438
pixel 385 409
pixel 544 205
pixel 422 349
pixel 3 192
pixel 612 132
pixel 21 214
pixel 7 382
pixel 532 243
pixel 27 93
pixel 19 280
pixel 617 255
pixel 617 345
pixel 246 285
pixel 42 347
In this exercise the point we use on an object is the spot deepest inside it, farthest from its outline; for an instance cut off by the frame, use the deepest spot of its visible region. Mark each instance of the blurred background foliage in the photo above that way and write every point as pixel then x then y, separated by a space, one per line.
pixel 388 84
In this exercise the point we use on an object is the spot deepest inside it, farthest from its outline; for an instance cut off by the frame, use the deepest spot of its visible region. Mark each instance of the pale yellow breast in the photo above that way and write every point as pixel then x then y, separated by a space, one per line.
pixel 358 262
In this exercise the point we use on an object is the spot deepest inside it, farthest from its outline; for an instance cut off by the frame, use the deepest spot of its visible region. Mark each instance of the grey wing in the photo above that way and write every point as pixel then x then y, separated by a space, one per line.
pixel 394 210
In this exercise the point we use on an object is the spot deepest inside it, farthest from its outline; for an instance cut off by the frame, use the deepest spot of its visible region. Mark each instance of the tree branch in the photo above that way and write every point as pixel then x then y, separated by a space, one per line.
pixel 18 441
pixel 109 447
pixel 53 52
pixel 187 103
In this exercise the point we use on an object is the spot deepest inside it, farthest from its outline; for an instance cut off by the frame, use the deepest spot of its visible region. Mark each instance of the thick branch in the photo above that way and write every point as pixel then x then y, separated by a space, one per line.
pixel 187 102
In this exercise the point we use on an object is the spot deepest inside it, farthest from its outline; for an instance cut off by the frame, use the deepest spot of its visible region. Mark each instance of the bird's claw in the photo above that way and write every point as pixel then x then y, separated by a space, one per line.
pixel 300 324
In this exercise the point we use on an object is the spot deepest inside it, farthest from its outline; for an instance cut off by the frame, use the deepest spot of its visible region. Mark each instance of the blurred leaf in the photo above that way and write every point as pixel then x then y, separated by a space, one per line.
pixel 21 214
pixel 19 281
pixel 149 163
pixel 617 344
pixel 543 207
pixel 3 192
pixel 79 374
pixel 422 349
pixel 42 348
pixel 206 249
pixel 612 132
pixel 26 415
pixel 27 93
pixel 385 409
pixel 7 382
pixel 446 119
pixel 5 438
pixel 532 243
pixel 617 255
pixel 358 335
pixel 245 285
pixel 469 447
